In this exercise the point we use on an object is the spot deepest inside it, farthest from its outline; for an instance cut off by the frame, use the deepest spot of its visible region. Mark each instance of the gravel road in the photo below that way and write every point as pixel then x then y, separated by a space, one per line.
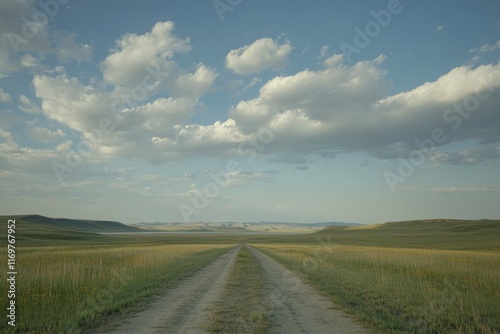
pixel 296 307
pixel 185 308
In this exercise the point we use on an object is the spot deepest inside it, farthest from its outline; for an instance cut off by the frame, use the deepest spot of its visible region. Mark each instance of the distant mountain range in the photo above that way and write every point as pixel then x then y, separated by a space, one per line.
pixel 261 226
pixel 322 224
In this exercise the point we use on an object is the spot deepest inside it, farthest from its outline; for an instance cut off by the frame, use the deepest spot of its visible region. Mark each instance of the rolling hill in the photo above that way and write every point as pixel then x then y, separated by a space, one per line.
pixel 41 230
pixel 429 233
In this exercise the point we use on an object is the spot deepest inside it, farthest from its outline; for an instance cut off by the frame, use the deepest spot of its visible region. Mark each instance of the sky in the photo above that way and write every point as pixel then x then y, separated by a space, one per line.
pixel 238 110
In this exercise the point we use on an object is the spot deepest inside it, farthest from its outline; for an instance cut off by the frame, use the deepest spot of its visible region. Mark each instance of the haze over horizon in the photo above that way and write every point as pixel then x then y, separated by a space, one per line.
pixel 250 111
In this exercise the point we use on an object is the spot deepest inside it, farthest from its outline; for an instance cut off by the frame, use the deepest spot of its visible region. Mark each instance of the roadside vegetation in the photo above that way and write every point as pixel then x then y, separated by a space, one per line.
pixel 243 307
pixel 402 290
pixel 72 289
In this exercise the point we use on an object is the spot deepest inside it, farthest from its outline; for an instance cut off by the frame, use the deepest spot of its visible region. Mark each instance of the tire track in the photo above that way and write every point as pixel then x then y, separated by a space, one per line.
pixel 185 308
pixel 297 307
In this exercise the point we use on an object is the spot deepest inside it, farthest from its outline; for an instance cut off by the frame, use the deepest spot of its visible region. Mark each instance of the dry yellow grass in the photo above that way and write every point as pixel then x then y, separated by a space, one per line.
pixel 404 290
pixel 67 289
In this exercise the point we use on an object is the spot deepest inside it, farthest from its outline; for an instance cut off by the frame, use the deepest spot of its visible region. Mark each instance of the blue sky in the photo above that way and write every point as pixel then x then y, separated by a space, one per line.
pixel 243 110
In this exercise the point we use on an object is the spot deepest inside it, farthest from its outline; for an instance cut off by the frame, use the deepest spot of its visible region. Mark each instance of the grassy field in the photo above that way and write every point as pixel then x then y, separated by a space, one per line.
pixel 242 308
pixel 438 276
pixel 402 290
pixel 70 289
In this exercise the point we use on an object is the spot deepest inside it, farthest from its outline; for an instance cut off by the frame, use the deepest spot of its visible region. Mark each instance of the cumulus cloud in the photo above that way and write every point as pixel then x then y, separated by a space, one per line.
pixel 310 114
pixel 128 63
pixel 347 108
pixel 262 54
pixel 195 84
pixel 304 116
pixel 151 129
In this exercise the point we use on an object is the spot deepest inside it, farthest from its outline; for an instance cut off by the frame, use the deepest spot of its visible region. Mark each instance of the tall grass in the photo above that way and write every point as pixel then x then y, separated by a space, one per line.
pixel 71 289
pixel 403 290
pixel 242 308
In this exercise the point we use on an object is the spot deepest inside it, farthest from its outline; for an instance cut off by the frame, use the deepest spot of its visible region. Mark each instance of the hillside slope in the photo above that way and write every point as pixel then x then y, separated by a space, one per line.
pixel 434 233
pixel 93 226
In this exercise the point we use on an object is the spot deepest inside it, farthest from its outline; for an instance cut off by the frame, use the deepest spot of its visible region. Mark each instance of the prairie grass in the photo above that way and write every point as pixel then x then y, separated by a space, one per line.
pixel 68 289
pixel 401 290
pixel 242 307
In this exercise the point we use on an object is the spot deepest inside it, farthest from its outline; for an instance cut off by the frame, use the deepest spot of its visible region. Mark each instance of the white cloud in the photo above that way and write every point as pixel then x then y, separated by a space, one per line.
pixel 127 64
pixel 195 84
pixel 310 114
pixel 7 143
pixel 345 109
pixel 236 179
pixel 4 96
pixel 439 28
pixel 27 105
pixel 473 156
pixel 68 49
pixel 452 190
pixel 334 60
pixel 27 60
pixel 45 135
pixel 69 102
pixel 324 51
pixel 486 48
pixel 262 54
pixel 14 45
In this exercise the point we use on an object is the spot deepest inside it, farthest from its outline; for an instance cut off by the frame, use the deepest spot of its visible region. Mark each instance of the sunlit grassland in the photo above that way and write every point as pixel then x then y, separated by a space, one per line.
pixel 70 289
pixel 400 290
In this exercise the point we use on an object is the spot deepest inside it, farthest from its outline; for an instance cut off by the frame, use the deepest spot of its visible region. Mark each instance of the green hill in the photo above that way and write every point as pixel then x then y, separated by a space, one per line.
pixel 40 230
pixel 434 233
pixel 94 226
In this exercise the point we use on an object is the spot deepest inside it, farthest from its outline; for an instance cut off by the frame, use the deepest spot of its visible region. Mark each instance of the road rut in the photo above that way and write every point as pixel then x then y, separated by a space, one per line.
pixel 298 308
pixel 185 308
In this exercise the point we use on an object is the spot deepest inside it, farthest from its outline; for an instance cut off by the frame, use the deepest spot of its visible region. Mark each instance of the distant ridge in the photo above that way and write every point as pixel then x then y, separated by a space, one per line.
pixel 424 233
pixel 442 221
pixel 318 224
pixel 84 225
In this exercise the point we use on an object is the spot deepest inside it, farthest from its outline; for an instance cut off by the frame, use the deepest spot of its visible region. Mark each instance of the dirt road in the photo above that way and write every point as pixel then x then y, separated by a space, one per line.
pixel 185 308
pixel 296 307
